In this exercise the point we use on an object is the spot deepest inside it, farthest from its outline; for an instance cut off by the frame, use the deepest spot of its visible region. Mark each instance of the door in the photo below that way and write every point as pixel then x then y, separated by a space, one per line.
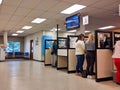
pixel 31 49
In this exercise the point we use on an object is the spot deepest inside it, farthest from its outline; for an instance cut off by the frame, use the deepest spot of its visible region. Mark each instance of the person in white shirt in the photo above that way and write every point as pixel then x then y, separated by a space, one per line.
pixel 79 52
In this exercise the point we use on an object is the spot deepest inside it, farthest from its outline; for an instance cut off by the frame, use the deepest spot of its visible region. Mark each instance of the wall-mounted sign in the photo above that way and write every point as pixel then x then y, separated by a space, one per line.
pixel 37 41
pixel 86 20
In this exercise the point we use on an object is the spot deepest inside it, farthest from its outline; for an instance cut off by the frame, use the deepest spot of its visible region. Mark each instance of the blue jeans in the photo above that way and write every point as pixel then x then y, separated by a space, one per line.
pixel 80 61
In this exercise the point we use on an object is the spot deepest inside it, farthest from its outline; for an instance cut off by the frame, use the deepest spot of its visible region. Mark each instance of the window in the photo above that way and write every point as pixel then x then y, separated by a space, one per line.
pixel 13 47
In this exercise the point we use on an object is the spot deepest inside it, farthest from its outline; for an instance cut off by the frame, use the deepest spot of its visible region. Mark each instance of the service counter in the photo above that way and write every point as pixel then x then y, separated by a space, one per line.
pixel 62 59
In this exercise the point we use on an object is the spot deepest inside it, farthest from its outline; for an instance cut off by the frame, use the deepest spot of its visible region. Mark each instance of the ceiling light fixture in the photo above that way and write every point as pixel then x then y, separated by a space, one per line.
pixel 73 9
pixel 20 31
pixel 72 31
pixel 1 2
pixel 14 34
pixel 87 31
pixel 106 27
pixel 27 27
pixel 38 20
pixel 55 29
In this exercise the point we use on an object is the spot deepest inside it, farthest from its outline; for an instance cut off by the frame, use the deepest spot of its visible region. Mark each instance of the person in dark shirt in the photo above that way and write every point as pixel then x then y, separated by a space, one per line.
pixel 54 53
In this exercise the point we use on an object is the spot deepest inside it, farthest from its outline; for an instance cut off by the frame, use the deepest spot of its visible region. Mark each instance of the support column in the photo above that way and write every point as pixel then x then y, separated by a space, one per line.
pixel 5 39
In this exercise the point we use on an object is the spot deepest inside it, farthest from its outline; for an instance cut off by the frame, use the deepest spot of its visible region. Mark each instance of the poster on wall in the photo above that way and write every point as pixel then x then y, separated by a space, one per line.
pixel 37 41
pixel 45 37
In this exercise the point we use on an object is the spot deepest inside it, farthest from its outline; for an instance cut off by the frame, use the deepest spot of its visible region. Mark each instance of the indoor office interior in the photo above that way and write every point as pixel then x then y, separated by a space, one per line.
pixel 30 28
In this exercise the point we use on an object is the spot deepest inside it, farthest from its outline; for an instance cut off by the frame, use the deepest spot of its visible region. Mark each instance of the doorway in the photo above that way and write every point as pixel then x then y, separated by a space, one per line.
pixel 31 49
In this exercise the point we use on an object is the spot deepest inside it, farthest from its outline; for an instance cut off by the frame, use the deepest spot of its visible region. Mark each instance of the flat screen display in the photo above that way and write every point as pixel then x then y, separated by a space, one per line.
pixel 73 22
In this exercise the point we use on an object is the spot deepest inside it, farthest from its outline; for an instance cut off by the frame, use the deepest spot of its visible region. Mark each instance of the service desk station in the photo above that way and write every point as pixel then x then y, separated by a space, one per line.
pixel 66 59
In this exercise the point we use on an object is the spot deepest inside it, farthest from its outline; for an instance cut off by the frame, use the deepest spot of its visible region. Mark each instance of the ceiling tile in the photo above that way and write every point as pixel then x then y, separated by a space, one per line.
pixel 10 25
pixel 11 3
pixel 60 7
pixel 17 13
pixel 103 3
pixel 47 4
pixel 5 17
pixel 22 11
pixel 114 7
pixel 7 9
pixel 87 2
pixel 72 1
pixel 35 13
pixel 29 3
pixel 16 18
pixel 48 15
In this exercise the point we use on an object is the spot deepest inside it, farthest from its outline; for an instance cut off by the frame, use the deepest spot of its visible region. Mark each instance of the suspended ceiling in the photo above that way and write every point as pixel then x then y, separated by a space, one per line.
pixel 14 14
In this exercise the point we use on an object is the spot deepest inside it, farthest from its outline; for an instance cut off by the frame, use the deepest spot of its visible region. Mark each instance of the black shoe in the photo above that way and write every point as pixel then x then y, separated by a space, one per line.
pixel 92 73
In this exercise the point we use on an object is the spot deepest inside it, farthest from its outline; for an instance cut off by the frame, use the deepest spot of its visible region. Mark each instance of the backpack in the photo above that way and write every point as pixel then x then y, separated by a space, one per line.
pixel 84 73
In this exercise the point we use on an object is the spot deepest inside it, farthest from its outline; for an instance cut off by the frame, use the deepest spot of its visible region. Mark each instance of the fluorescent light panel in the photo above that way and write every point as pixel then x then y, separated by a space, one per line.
pixel 27 27
pixel 1 1
pixel 55 29
pixel 14 34
pixel 72 31
pixel 73 9
pixel 106 27
pixel 20 31
pixel 38 20
pixel 87 31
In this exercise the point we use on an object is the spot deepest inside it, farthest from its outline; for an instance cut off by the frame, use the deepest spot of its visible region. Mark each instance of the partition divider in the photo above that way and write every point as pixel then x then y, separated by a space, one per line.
pixel 62 59
pixel 48 57
pixel 104 65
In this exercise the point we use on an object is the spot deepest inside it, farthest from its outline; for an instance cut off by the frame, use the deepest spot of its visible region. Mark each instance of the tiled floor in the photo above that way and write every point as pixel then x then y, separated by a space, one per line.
pixel 32 75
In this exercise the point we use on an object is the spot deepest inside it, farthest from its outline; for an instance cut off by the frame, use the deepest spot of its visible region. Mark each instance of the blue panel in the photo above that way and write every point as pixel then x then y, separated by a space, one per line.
pixel 48 44
pixel 45 37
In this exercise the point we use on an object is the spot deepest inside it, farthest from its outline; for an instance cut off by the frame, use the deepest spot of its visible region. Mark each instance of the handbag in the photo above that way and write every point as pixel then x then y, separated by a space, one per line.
pixel 52 53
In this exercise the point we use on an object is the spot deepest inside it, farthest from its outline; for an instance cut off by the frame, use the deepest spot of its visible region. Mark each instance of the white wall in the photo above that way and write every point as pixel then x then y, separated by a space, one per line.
pixel 36 48
pixel 27 43
pixel 37 53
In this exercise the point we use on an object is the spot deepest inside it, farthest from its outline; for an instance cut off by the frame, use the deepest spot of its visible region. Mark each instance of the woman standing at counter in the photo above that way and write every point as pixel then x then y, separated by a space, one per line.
pixel 90 54
pixel 79 52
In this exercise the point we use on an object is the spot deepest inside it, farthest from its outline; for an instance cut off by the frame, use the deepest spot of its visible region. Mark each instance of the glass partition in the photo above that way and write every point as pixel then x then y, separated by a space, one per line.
pixel 72 41
pixel 103 40
pixel 62 43
pixel 116 37
pixel 48 43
